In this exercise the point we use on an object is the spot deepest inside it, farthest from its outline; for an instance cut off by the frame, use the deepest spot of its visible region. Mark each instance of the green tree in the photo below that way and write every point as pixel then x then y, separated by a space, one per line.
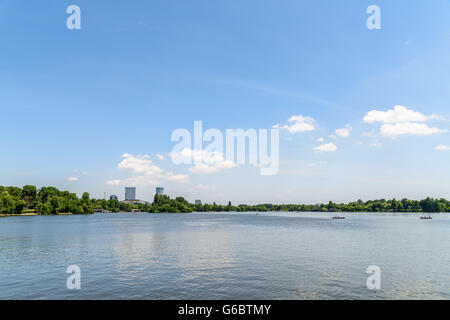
pixel 86 203
pixel 7 203
pixel 29 194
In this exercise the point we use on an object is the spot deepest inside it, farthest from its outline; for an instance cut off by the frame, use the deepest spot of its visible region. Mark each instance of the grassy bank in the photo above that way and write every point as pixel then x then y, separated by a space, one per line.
pixel 19 215
pixel 29 214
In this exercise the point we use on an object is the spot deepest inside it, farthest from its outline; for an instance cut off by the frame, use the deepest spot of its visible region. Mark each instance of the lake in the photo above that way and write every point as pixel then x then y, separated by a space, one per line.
pixel 225 256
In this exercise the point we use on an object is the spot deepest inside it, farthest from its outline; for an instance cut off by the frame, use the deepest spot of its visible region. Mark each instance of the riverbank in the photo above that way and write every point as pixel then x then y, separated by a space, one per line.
pixel 19 214
pixel 28 214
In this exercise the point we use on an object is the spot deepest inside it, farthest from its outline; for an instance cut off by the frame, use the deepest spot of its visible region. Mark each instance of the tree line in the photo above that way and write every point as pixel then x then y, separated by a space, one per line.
pixel 45 200
pixel 381 205
pixel 50 200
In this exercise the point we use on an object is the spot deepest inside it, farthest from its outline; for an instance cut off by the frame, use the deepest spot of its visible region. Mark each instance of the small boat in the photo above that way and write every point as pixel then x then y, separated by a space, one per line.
pixel 338 218
pixel 426 217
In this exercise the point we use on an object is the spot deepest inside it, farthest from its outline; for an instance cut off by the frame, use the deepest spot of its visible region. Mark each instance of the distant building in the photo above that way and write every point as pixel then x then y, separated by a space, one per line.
pixel 159 190
pixel 113 197
pixel 198 202
pixel 130 193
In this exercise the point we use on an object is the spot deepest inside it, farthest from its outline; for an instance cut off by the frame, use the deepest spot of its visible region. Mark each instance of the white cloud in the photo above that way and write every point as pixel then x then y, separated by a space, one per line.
pixel 320 139
pixel 375 144
pixel 197 156
pixel 318 163
pixel 300 124
pixel 138 164
pixel 443 147
pixel 205 161
pixel 396 115
pixel 141 180
pixel 145 172
pixel 113 183
pixel 402 121
pixel 207 168
pixel 72 179
pixel 78 172
pixel 332 136
pixel 329 147
pixel 160 156
pixel 344 132
pixel 179 178
pixel 408 128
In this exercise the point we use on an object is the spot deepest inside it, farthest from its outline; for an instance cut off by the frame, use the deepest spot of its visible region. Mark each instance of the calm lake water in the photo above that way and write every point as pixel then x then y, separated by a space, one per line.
pixel 225 256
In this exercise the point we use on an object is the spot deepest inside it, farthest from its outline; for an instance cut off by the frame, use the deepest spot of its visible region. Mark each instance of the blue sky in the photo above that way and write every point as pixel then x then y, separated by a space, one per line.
pixel 73 102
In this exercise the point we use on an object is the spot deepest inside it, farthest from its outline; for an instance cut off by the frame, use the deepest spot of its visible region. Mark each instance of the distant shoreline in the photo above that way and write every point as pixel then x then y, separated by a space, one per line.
pixel 31 214
pixel 19 214
pixel 30 200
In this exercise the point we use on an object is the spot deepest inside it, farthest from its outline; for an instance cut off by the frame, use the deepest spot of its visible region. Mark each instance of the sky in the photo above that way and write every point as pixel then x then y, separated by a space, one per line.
pixel 362 114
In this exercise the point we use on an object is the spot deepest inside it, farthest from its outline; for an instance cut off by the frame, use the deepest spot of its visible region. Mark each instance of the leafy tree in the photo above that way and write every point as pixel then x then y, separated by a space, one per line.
pixel 7 203
pixel 86 203
pixel 29 194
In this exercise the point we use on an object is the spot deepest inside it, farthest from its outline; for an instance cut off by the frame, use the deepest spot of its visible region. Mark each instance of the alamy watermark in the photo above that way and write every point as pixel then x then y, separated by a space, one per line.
pixel 74 280
pixel 374 20
pixel 374 280
pixel 74 20
pixel 249 146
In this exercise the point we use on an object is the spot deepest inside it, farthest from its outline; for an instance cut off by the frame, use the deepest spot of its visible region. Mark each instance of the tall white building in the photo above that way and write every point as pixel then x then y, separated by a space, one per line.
pixel 130 193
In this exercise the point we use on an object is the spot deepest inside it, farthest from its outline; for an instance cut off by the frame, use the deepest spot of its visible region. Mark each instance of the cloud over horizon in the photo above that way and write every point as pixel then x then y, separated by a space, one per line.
pixel 396 115
pixel 402 121
pixel 144 172
pixel 204 161
pixel 328 147
pixel 344 132
pixel 408 128
pixel 443 147
pixel 300 124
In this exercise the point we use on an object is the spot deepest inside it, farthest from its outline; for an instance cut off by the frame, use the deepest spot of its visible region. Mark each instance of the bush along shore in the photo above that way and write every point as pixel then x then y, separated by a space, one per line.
pixel 50 201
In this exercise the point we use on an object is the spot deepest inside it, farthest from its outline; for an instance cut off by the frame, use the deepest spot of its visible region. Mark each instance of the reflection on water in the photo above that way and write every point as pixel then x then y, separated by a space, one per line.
pixel 225 256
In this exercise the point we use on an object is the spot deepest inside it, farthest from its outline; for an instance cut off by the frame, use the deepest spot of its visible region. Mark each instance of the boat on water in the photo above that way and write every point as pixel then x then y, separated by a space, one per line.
pixel 338 218
pixel 426 217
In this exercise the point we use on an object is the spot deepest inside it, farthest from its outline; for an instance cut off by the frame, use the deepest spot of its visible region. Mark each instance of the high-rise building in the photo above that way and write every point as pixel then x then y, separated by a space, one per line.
pixel 159 190
pixel 113 197
pixel 198 202
pixel 130 193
